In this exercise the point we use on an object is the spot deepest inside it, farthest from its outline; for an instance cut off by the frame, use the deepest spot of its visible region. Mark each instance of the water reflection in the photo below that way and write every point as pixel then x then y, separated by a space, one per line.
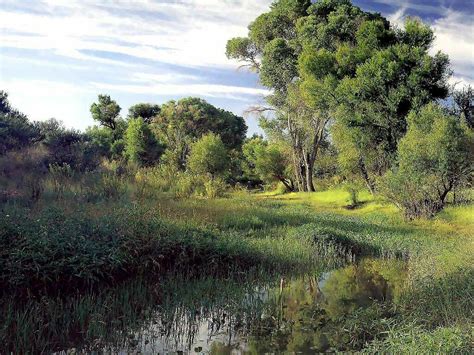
pixel 300 314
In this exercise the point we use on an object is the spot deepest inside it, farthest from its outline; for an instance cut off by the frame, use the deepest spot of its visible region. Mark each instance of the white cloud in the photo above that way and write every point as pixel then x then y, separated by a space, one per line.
pixel 455 37
pixel 460 81
pixel 101 42
pixel 397 19
pixel 191 32
pixel 204 90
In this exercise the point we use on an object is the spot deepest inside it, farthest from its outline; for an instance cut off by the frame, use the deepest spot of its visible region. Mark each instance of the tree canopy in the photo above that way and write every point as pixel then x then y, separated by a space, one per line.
pixel 182 122
pixel 105 111
pixel 209 156
pixel 146 111
pixel 329 61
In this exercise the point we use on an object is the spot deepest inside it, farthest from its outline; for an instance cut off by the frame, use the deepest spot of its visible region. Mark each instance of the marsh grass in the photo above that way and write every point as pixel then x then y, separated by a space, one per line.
pixel 87 238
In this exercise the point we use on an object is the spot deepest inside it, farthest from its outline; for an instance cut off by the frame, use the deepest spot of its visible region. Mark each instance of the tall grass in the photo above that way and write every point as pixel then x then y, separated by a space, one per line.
pixel 99 229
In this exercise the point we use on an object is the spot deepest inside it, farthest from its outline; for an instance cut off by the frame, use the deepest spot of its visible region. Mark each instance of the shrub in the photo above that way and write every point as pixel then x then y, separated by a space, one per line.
pixel 215 187
pixel 60 177
pixel 433 158
pixel 22 172
pixel 353 187
pixel 184 186
pixel 271 164
pixel 141 146
pixel 209 156
pixel 112 186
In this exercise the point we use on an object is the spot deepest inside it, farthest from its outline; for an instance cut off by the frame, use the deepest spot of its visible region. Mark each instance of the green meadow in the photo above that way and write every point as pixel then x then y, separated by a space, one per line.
pixel 63 247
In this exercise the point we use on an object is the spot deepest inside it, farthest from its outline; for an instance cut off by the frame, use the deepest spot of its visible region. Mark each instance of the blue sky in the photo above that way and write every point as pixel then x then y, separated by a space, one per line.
pixel 56 56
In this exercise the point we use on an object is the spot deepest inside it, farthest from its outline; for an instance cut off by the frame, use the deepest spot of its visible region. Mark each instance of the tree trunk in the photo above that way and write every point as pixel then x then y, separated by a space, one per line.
pixel 309 174
pixel 297 170
pixel 287 185
pixel 368 181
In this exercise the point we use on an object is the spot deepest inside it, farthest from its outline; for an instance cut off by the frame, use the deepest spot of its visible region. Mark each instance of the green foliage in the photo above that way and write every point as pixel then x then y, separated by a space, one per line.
pixel 243 49
pixel 249 150
pixel 433 158
pixel 271 164
pixel 415 339
pixel 416 34
pixel 140 145
pixel 209 155
pixel 215 187
pixel 144 110
pixel 278 65
pixel 180 123
pixel 60 177
pixel 15 129
pixel 185 185
pixel 68 146
pixel 353 191
pixel 376 102
pixel 105 111
pixel 112 186
pixel 464 104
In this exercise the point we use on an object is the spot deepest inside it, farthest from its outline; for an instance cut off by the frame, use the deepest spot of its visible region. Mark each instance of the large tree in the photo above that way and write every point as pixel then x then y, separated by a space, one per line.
pixel 374 103
pixel 180 123
pixel 331 61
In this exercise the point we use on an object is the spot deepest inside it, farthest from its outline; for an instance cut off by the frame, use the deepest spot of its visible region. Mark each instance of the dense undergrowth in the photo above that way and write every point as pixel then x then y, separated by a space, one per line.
pixel 62 245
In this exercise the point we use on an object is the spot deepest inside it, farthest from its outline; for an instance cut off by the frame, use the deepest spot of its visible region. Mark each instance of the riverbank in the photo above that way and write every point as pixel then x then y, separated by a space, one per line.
pixel 59 243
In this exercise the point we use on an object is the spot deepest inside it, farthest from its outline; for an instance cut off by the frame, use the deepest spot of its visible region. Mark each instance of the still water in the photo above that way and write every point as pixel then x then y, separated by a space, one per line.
pixel 299 313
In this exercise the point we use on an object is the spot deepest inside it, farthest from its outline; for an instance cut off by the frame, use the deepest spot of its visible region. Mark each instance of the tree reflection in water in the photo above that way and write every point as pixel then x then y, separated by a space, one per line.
pixel 301 314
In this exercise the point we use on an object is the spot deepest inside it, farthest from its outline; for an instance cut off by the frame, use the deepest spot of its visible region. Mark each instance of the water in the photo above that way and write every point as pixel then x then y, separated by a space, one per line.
pixel 302 313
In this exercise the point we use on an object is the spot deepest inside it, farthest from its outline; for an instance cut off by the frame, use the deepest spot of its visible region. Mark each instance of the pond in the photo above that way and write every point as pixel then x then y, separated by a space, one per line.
pixel 247 312
pixel 255 313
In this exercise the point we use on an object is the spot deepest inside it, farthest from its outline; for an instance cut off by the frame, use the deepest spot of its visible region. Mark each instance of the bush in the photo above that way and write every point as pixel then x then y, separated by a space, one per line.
pixel 433 158
pixel 60 178
pixel 209 156
pixel 215 187
pixel 353 188
pixel 22 173
pixel 184 186
pixel 141 146
pixel 112 186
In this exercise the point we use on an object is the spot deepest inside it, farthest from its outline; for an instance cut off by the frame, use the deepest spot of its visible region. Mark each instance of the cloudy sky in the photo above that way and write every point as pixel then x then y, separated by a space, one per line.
pixel 56 56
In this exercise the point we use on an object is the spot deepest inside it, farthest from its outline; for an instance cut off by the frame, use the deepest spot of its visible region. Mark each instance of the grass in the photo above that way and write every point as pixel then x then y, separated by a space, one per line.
pixel 59 242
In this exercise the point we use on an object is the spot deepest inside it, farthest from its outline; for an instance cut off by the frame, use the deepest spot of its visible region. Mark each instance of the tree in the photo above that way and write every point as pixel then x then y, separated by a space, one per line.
pixel 330 61
pixel 209 155
pixel 105 111
pixel 464 104
pixel 141 146
pixel 434 157
pixel 144 110
pixel 108 142
pixel 373 104
pixel 249 151
pixel 271 164
pixel 180 123
pixel 267 162
pixel 15 130
pixel 274 48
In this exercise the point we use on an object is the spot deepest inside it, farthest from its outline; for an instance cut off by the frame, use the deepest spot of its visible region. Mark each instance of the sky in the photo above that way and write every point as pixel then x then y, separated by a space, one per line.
pixel 56 56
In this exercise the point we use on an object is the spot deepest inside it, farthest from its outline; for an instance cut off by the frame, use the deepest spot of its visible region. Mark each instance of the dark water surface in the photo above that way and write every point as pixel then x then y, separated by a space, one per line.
pixel 276 314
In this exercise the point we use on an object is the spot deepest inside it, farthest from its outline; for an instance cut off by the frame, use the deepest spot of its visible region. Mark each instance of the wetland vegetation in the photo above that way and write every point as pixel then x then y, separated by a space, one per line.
pixel 347 227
